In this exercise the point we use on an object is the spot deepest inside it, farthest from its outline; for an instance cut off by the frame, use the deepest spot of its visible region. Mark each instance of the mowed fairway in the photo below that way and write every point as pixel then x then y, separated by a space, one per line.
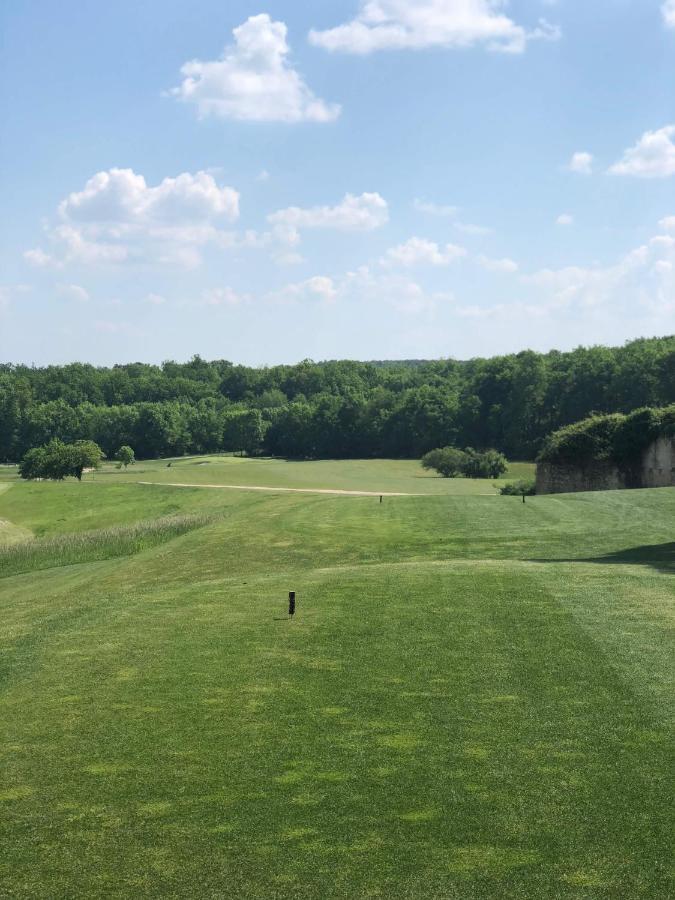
pixel 474 699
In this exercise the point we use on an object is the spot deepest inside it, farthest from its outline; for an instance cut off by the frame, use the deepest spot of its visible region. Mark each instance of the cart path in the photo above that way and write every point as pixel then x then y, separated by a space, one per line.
pixel 286 490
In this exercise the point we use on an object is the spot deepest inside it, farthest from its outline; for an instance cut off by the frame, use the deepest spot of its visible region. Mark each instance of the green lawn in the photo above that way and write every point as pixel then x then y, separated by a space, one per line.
pixel 473 701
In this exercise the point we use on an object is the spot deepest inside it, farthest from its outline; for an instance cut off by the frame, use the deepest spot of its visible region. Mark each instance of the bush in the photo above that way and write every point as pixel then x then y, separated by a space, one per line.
pixel 451 462
pixel 447 461
pixel 525 487
pixel 485 464
pixel 125 456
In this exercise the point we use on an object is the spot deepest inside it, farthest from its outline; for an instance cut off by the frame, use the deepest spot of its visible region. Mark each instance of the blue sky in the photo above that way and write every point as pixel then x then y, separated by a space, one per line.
pixel 384 179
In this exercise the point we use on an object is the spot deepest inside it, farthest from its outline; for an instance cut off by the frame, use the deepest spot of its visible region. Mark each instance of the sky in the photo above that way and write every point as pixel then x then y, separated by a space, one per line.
pixel 368 179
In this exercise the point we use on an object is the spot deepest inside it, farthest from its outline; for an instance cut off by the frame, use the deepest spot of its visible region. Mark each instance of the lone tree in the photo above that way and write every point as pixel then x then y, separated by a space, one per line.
pixel 57 460
pixel 125 456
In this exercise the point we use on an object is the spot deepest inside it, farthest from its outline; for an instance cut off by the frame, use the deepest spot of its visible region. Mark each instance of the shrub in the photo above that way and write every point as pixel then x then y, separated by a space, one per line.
pixel 525 487
pixel 451 462
pixel 484 464
pixel 447 461
pixel 125 456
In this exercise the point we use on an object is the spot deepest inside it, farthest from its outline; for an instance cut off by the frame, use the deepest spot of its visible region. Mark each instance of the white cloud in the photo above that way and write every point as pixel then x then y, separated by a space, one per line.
pixel 38 258
pixel 320 287
pixel 419 251
pixel 506 266
pixel 477 230
pixel 668 223
pixel 668 12
pixel 117 217
pixel 155 299
pixel 643 279
pixel 581 163
pixel 263 175
pixel 223 297
pixel 120 196
pixel 435 209
pixel 363 213
pixel 72 292
pixel 400 24
pixel 253 80
pixel 565 219
pixel 450 212
pixel 652 157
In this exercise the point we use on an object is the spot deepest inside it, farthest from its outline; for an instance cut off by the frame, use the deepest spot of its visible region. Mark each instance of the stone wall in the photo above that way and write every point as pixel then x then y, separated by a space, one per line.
pixel 658 464
pixel 557 478
pixel 656 470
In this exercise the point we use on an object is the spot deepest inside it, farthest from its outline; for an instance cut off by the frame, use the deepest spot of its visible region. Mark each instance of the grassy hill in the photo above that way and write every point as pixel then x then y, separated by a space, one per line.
pixel 473 700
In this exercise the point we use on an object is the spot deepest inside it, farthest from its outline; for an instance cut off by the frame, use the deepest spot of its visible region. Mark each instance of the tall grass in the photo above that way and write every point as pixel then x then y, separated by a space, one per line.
pixel 89 546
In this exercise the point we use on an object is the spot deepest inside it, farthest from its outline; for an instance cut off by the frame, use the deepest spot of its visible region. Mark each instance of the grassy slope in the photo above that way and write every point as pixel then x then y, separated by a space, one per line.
pixel 406 476
pixel 458 710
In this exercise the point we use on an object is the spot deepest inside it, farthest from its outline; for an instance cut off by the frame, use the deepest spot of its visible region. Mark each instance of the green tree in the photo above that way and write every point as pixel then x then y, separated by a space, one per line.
pixel 484 464
pixel 125 456
pixel 57 460
pixel 447 461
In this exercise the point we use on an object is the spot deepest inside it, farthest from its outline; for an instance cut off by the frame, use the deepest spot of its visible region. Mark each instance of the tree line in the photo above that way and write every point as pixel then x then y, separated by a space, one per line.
pixel 330 409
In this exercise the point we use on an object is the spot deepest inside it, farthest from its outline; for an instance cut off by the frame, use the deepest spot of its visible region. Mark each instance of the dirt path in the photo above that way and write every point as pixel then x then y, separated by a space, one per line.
pixel 250 487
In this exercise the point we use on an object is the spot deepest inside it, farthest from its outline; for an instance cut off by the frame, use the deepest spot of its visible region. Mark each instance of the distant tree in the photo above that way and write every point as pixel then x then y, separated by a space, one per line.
pixel 451 462
pixel 447 461
pixel 57 460
pixel 243 430
pixel 82 455
pixel 484 464
pixel 33 464
pixel 125 456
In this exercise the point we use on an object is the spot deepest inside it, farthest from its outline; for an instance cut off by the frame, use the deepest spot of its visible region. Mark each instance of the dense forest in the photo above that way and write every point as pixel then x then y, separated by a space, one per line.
pixel 330 409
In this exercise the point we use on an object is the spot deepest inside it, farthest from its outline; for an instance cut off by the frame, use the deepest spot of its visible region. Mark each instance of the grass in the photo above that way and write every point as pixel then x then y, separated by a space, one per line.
pixel 474 699
pixel 391 475
pixel 87 546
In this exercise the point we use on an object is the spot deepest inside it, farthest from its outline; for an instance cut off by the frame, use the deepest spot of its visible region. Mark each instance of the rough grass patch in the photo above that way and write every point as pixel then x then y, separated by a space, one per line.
pixel 100 544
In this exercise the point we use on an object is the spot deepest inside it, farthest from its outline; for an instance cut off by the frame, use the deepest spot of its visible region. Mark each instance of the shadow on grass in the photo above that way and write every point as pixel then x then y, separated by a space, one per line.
pixel 659 556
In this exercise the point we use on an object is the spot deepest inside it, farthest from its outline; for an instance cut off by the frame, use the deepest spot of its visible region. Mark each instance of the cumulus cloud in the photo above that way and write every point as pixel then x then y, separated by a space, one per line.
pixel 224 296
pixel 644 279
pixel 668 12
pixel 319 287
pixel 565 219
pixel 450 212
pixel 117 217
pixel 155 299
pixel 435 209
pixel 668 223
pixel 652 157
pixel 505 266
pixel 419 251
pixel 363 213
pixel 120 196
pixel 253 80
pixel 581 163
pixel 400 24
pixel 73 292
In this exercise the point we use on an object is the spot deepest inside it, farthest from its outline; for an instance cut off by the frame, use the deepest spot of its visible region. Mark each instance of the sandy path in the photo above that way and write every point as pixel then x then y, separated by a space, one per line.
pixel 250 487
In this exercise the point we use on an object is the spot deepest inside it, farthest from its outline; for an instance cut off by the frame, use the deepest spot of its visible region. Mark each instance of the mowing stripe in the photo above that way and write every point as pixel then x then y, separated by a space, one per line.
pixel 249 487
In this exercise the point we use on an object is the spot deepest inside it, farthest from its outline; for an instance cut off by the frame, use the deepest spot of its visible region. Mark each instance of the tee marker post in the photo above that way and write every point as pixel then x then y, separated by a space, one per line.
pixel 291 603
